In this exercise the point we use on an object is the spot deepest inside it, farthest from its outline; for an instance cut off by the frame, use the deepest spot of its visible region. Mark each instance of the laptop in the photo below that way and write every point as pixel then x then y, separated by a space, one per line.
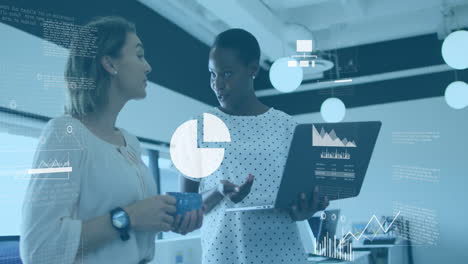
pixel 332 156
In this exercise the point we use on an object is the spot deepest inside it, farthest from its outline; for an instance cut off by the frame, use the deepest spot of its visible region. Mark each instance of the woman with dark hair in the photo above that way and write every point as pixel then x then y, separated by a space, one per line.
pixel 94 200
pixel 251 171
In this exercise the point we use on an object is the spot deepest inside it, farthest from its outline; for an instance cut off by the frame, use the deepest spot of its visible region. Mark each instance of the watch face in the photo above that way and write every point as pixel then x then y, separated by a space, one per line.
pixel 120 219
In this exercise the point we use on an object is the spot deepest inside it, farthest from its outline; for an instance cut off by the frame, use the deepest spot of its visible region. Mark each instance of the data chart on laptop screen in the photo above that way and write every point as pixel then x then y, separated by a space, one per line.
pixel 336 153
pixel 341 154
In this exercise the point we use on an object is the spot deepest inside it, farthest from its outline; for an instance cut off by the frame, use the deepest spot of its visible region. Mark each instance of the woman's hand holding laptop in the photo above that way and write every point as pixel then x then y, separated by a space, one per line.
pixel 306 208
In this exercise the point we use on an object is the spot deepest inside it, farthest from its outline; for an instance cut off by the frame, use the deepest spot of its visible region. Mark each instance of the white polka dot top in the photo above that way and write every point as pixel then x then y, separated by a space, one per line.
pixel 259 146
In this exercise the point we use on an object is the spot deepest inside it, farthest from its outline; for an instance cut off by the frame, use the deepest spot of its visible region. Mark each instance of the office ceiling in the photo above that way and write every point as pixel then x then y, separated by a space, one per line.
pixel 390 49
pixel 332 24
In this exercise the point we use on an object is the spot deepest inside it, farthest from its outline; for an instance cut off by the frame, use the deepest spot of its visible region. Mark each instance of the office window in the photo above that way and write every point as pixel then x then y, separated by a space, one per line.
pixel 145 158
pixel 168 176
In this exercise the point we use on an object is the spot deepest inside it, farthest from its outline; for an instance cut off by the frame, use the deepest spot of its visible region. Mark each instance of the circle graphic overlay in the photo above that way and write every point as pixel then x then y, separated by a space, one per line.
pixel 323 216
pixel 456 95
pixel 191 160
pixel 284 76
pixel 454 50
pixel 333 110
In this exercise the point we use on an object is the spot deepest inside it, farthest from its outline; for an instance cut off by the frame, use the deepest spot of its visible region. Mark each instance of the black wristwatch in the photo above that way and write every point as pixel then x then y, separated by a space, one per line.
pixel 120 220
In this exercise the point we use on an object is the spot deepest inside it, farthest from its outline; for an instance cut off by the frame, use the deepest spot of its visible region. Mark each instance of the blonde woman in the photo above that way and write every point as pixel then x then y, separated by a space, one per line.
pixel 104 208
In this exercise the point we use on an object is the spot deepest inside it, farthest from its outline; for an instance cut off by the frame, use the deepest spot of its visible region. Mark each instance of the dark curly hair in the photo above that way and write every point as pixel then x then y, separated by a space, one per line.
pixel 240 40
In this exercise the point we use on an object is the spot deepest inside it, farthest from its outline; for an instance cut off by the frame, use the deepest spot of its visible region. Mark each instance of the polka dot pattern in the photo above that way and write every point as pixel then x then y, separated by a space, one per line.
pixel 259 146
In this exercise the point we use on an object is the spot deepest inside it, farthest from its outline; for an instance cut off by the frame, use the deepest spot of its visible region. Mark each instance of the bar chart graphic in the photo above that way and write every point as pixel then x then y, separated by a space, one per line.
pixel 331 247
pixel 341 248
pixel 335 154
pixel 329 139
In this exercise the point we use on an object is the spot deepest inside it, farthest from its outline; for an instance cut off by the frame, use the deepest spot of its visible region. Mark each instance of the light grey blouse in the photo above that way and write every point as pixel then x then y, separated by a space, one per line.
pixel 79 177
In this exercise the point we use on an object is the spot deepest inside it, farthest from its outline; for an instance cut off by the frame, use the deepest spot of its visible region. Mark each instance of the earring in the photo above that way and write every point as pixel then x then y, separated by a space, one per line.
pixel 115 72
pixel 253 77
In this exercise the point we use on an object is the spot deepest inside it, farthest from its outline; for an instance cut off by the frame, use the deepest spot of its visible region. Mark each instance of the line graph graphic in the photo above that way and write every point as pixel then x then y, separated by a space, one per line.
pixel 361 234
pixel 54 164
pixel 329 139
pixel 52 167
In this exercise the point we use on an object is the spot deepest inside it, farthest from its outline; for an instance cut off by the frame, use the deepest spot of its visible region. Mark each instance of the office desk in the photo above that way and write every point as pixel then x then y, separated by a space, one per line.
pixel 360 257
pixel 385 254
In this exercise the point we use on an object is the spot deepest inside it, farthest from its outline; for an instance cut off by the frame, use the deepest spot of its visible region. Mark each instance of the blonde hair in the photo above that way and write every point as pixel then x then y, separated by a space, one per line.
pixel 87 80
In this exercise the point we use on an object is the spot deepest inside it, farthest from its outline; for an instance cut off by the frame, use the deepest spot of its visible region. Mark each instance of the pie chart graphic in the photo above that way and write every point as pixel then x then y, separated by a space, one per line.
pixel 192 160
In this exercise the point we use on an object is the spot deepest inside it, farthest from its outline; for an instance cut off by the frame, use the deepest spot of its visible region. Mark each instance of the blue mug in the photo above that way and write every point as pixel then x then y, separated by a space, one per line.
pixel 186 202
